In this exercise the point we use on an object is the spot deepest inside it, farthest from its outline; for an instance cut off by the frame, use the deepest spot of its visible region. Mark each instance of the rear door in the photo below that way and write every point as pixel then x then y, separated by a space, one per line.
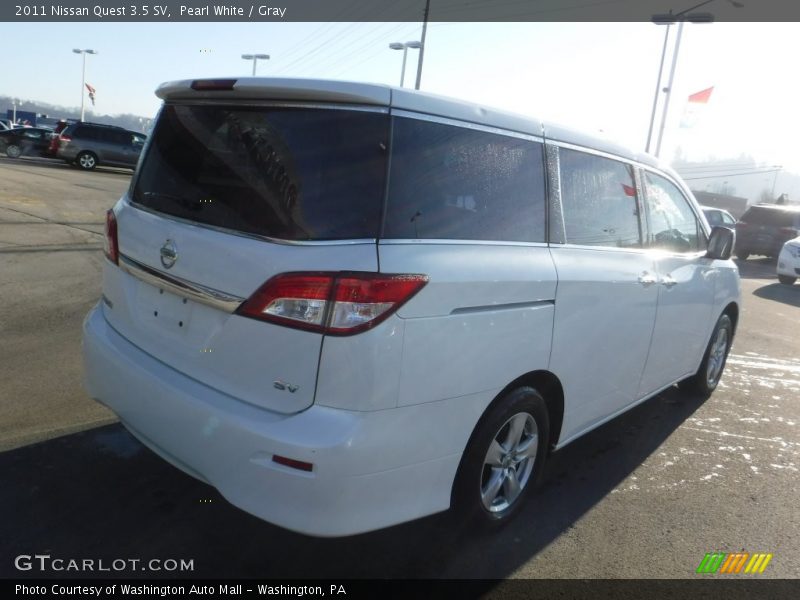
pixel 226 198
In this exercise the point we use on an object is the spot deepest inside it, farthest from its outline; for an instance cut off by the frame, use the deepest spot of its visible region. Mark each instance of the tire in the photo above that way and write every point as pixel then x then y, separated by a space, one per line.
pixel 493 483
pixel 742 254
pixel 13 151
pixel 705 381
pixel 86 161
pixel 786 279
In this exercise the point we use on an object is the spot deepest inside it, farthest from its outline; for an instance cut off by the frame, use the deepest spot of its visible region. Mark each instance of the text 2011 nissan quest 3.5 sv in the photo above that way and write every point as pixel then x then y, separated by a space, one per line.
pixel 347 306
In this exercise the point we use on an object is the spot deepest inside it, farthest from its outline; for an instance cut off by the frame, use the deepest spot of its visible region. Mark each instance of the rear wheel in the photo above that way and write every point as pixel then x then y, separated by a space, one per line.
pixel 504 459
pixel 786 279
pixel 705 381
pixel 86 161
pixel 742 254
pixel 13 151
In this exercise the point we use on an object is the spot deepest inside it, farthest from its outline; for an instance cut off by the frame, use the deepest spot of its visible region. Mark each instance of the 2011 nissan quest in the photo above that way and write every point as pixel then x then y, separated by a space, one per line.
pixel 347 306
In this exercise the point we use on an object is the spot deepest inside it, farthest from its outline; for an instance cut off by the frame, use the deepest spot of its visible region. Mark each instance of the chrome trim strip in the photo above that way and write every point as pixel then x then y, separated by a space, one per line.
pixel 254 236
pixel 417 242
pixel 181 287
pixel 510 306
pixel 601 153
pixel 399 112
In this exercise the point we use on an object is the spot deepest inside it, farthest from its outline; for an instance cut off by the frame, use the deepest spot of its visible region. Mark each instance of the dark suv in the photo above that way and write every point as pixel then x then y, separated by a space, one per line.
pixel 764 228
pixel 89 144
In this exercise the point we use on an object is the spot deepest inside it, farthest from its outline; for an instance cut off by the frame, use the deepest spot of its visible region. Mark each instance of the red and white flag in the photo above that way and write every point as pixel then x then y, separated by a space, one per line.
pixel 92 92
pixel 695 106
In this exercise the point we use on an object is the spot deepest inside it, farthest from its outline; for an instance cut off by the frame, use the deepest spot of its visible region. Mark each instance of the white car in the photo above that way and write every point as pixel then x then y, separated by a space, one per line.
pixel 347 306
pixel 789 262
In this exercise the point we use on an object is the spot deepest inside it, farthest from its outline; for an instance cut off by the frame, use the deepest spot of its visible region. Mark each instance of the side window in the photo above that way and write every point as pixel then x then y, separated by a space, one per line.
pixel 714 217
pixel 728 219
pixel 673 225
pixel 598 197
pixel 450 182
pixel 82 133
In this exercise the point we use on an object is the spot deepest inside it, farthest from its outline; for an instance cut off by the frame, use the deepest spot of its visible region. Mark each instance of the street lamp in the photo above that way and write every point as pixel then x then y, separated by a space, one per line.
pixel 255 58
pixel 670 19
pixel 14 104
pixel 404 48
pixel 83 76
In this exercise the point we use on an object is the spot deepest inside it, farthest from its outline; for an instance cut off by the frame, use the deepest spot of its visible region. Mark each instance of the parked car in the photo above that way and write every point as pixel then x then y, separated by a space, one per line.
pixel 789 262
pixel 88 145
pixel 347 306
pixel 25 141
pixel 764 228
pixel 718 217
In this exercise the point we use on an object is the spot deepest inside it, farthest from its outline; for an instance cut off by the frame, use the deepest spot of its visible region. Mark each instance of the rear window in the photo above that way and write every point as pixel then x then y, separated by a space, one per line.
pixel 771 217
pixel 287 173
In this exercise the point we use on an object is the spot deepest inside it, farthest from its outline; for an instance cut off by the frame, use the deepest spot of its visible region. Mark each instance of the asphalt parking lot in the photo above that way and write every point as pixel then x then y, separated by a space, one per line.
pixel 645 496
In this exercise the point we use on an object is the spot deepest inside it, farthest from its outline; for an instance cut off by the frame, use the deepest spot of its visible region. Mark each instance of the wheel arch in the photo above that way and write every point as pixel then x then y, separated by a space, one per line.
pixel 550 388
pixel 732 310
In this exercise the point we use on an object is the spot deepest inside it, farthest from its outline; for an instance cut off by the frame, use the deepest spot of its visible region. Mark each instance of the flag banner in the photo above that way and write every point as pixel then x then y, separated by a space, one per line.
pixel 92 93
pixel 695 107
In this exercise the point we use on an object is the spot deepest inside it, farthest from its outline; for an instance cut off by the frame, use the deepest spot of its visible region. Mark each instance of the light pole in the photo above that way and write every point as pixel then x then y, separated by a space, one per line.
pixel 83 76
pixel 404 48
pixel 422 42
pixel 14 103
pixel 255 58
pixel 669 19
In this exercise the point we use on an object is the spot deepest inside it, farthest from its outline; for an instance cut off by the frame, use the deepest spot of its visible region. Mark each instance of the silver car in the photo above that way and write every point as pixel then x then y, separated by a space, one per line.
pixel 88 145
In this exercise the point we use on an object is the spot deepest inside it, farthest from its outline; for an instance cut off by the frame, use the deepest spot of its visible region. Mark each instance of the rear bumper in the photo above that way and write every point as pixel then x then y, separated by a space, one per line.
pixel 367 473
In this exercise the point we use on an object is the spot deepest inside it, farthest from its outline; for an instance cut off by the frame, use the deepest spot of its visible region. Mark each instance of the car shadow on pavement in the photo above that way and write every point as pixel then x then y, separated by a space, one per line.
pixel 757 268
pixel 788 294
pixel 101 494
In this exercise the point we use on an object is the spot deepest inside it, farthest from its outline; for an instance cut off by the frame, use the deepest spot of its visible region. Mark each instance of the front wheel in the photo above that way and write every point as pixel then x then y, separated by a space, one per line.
pixel 13 151
pixel 786 279
pixel 705 381
pixel 503 460
pixel 742 254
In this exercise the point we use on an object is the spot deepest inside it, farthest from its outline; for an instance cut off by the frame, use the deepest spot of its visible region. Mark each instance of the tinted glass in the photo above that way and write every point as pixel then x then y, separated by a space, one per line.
pixel 296 174
pixel 450 182
pixel 598 197
pixel 673 225
pixel 85 133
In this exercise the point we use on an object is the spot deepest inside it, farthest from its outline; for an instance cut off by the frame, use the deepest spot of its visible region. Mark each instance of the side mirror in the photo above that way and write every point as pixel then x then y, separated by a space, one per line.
pixel 720 243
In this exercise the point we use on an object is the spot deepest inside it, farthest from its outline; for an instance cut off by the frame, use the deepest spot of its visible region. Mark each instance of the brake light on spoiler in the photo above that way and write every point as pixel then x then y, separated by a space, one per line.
pixel 331 303
pixel 207 85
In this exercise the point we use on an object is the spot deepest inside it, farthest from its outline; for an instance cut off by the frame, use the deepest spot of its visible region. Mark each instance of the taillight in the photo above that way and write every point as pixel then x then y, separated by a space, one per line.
pixel 790 231
pixel 331 303
pixel 64 138
pixel 111 244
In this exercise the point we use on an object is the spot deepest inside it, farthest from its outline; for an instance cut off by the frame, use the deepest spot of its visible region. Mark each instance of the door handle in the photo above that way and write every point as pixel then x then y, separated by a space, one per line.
pixel 646 279
pixel 668 281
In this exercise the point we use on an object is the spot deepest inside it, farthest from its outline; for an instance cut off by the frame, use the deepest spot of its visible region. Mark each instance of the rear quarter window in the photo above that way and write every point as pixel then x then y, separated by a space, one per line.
pixel 453 182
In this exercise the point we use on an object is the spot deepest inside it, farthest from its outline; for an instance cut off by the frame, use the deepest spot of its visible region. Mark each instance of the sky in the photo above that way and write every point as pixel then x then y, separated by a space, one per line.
pixel 597 76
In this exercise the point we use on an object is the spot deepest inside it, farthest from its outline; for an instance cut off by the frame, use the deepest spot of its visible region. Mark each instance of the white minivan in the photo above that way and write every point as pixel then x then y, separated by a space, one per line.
pixel 347 306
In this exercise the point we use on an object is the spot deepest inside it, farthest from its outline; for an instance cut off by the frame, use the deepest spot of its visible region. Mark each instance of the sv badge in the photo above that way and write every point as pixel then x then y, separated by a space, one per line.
pixel 282 385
